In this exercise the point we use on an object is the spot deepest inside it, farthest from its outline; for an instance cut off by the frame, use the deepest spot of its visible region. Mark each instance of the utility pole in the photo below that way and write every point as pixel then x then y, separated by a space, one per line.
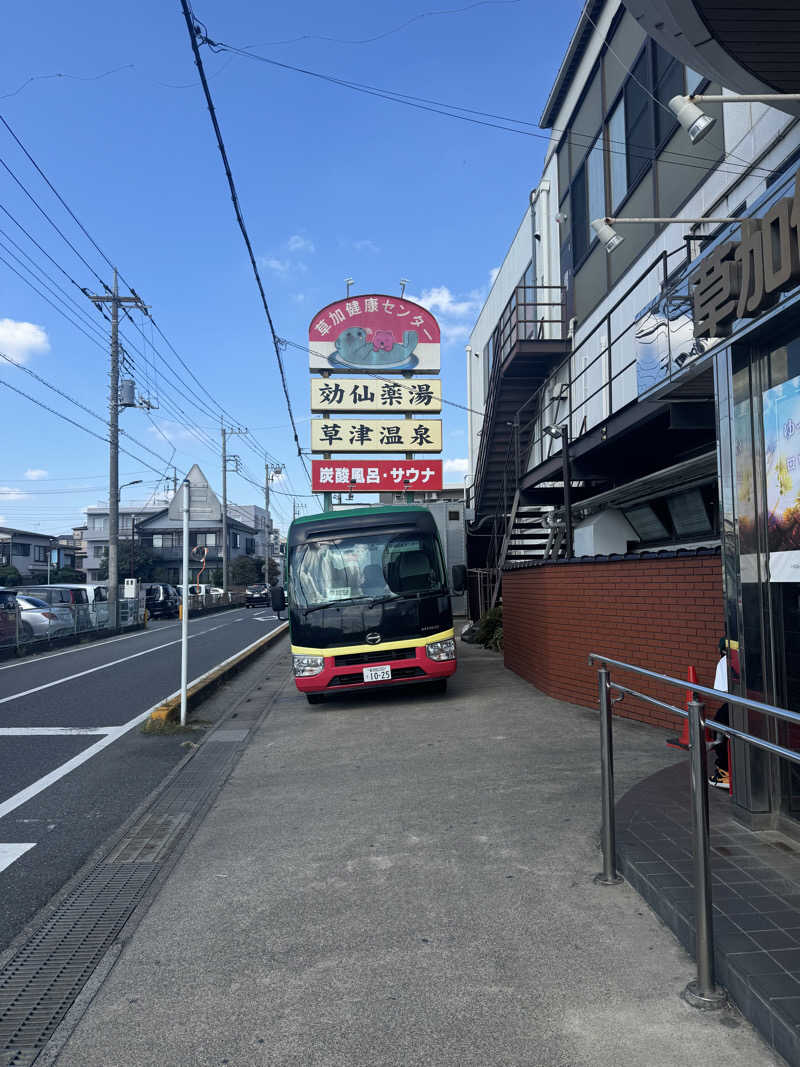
pixel 115 300
pixel 226 433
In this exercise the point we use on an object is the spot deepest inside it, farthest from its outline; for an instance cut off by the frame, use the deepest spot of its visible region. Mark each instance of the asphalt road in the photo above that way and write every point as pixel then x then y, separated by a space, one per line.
pixel 73 762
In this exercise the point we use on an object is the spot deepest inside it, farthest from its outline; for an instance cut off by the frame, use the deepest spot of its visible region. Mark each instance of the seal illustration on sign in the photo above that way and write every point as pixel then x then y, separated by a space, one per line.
pixel 357 347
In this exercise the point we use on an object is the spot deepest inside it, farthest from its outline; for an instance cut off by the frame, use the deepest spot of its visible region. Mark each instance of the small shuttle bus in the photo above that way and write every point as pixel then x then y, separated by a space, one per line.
pixel 369 601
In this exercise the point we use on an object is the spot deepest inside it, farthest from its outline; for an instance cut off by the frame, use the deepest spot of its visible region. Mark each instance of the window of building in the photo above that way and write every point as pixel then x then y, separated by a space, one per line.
pixel 667 82
pixel 5 557
pixel 20 548
pixel 250 545
pixel 596 182
pixel 97 522
pixel 164 540
pixel 618 154
pixel 235 540
pixel 580 216
pixel 98 551
pixel 125 522
pixel 693 80
pixel 588 199
pixel 207 539
pixel 453 516
pixel 40 553
pixel 639 132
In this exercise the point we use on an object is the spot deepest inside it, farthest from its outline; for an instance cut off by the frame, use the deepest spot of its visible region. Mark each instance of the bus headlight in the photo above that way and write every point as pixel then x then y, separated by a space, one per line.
pixel 441 650
pixel 307 666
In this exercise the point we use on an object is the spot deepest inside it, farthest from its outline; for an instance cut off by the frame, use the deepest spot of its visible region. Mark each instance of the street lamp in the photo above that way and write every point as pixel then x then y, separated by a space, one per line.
pixel 695 121
pixel 124 485
pixel 609 237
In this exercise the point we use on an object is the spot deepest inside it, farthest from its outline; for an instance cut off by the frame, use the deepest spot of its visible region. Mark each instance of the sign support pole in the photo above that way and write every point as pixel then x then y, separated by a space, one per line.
pixel 185 603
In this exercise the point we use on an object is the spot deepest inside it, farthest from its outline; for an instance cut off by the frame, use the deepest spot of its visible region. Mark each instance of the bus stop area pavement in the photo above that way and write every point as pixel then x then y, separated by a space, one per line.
pixel 406 878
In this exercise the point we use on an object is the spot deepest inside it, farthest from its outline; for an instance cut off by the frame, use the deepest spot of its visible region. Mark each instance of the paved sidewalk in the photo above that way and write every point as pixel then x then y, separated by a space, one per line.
pixel 408 881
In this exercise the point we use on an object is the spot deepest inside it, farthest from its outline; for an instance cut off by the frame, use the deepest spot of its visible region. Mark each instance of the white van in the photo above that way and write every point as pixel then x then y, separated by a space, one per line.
pixel 98 604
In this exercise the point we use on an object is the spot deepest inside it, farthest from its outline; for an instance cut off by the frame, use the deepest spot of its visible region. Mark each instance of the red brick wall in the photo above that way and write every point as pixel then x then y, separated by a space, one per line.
pixel 661 614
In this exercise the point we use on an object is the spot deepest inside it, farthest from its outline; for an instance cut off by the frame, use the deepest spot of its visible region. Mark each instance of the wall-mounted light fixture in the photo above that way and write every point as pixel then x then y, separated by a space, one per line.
pixel 695 121
pixel 609 237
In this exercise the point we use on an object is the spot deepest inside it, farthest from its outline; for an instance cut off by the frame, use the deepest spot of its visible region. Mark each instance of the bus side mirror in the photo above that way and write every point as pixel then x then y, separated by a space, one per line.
pixel 277 598
pixel 459 578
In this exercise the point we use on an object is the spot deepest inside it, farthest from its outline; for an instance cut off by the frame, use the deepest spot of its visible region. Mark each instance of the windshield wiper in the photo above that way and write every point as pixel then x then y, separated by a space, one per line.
pixel 334 603
pixel 405 596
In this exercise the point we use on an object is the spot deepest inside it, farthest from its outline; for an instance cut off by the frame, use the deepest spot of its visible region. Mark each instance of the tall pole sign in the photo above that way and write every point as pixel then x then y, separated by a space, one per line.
pixel 390 343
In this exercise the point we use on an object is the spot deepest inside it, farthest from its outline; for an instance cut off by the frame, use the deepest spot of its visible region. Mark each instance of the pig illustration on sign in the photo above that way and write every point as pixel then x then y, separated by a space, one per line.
pixel 355 348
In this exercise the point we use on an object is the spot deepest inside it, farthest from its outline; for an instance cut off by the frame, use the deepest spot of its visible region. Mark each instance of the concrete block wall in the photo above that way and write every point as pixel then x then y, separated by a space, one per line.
pixel 661 614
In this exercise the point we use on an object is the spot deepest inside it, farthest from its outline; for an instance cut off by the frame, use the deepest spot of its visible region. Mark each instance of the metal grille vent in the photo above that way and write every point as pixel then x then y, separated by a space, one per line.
pixel 39 984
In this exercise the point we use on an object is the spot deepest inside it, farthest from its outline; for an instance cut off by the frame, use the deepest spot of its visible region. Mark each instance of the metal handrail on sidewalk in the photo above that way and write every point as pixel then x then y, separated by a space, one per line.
pixel 702 992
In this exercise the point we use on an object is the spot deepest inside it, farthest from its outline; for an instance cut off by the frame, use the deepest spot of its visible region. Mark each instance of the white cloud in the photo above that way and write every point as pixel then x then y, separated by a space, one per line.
pixel 6 493
pixel 3 520
pixel 35 474
pixel 456 316
pixel 21 340
pixel 280 266
pixel 493 275
pixel 298 243
pixel 365 246
pixel 174 431
pixel 298 297
pixel 456 466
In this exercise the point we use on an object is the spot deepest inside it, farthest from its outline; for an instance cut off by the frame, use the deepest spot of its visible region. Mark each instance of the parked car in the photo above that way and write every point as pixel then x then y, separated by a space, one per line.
pixel 75 596
pixel 38 619
pixel 8 617
pixel 98 604
pixel 256 594
pixel 161 600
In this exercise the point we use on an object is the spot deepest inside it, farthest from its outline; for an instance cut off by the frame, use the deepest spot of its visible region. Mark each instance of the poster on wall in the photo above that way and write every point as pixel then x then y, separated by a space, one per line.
pixel 374 333
pixel 782 463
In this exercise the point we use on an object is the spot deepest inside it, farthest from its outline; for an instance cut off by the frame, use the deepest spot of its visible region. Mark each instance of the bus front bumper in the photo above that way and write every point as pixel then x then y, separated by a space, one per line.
pixel 414 666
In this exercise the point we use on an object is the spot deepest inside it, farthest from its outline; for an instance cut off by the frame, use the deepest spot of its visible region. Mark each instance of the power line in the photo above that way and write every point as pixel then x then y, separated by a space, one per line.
pixel 72 422
pixel 471 115
pixel 105 257
pixel 193 35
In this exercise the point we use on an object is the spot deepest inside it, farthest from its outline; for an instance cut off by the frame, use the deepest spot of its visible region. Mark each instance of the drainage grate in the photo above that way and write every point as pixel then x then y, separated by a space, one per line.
pixel 149 839
pixel 39 984
pixel 229 735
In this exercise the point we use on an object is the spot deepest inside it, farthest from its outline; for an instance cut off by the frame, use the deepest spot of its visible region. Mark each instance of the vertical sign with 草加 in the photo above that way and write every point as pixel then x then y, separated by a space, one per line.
pixel 388 341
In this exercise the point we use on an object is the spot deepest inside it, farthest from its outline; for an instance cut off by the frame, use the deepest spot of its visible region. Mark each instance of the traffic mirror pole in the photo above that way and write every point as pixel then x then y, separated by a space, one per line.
pixel 185 603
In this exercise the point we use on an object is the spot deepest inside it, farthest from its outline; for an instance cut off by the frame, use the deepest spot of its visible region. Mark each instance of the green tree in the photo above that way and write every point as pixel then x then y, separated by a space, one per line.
pixel 67 574
pixel 274 571
pixel 10 576
pixel 144 563
pixel 246 571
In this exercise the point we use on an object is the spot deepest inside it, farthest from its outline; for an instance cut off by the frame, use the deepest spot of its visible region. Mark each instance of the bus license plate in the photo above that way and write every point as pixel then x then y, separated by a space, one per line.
pixel 377 674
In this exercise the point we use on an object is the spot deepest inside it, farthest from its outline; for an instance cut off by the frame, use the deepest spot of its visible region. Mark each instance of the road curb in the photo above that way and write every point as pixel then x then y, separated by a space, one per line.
pixel 167 710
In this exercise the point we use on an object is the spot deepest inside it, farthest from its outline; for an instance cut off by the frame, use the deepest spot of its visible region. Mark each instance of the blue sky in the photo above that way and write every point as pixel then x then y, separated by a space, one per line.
pixel 332 183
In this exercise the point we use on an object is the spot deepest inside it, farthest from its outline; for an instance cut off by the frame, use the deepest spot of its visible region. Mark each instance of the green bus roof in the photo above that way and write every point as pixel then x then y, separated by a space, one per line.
pixel 332 516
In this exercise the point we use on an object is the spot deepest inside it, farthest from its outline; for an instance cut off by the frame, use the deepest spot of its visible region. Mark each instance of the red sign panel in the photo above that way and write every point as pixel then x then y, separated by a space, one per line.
pixel 374 333
pixel 375 475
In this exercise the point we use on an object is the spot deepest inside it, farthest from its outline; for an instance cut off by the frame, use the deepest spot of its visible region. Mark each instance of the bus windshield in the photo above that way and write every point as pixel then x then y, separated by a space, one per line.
pixel 384 565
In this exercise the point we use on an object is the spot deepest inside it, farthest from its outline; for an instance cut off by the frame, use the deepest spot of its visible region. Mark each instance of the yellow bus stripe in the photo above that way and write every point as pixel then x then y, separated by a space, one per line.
pixel 346 650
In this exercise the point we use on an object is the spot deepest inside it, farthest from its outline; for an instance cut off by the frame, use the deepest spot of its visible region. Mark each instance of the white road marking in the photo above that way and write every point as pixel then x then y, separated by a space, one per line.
pixel 102 644
pixel 37 787
pixel 113 733
pixel 105 666
pixel 91 670
pixel 51 731
pixel 11 852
